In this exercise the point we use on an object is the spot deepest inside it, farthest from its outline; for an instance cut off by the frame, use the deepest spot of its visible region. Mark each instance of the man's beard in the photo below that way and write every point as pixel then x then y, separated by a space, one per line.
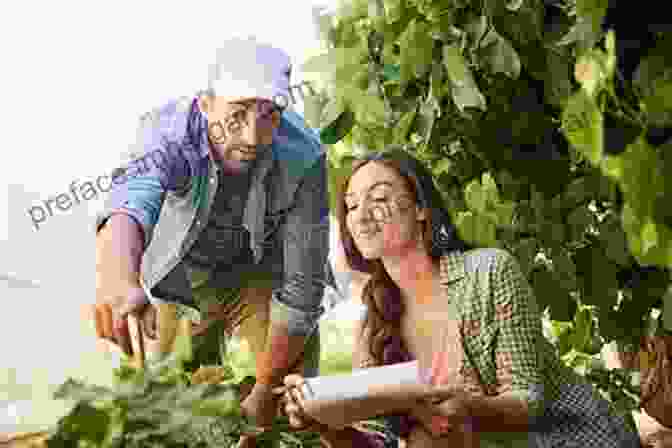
pixel 228 161
pixel 234 165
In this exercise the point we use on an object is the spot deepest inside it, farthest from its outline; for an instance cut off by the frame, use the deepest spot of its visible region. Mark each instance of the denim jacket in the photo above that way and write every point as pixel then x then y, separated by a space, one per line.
pixel 168 183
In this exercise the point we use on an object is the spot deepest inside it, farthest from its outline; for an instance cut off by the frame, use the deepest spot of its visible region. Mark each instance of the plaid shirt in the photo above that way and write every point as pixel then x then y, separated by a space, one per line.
pixel 505 352
pixel 505 348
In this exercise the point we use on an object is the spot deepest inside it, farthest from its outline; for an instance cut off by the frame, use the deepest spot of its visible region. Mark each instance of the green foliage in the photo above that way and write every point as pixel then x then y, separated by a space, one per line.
pixel 161 407
pixel 537 141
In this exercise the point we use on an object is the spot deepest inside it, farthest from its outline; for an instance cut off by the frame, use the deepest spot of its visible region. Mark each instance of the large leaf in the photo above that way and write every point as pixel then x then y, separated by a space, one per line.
pixel 587 30
pixel 565 270
pixel 476 229
pixel 550 293
pixel 557 82
pixel 463 87
pixel 526 250
pixel 489 187
pixel 582 125
pixel 614 241
pixel 500 56
pixel 475 196
pixel 598 277
pixel 416 51
pixel 404 126
pixel 580 221
pixel 583 330
pixel 343 63
pixel 394 10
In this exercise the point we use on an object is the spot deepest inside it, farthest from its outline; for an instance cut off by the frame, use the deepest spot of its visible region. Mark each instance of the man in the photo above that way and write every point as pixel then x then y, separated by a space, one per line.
pixel 225 201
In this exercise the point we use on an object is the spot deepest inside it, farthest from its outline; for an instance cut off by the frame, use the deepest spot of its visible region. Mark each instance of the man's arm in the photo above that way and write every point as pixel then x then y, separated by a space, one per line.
pixel 124 228
pixel 296 307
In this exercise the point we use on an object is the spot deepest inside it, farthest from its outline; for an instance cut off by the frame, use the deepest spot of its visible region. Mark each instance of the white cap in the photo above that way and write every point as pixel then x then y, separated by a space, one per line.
pixel 247 69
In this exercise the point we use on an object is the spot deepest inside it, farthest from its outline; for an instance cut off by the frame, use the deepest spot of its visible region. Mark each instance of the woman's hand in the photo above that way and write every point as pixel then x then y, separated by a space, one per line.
pixel 447 408
pixel 294 405
pixel 432 422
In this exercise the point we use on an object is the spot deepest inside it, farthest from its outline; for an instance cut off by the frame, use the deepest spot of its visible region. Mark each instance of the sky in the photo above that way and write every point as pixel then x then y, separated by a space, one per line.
pixel 76 76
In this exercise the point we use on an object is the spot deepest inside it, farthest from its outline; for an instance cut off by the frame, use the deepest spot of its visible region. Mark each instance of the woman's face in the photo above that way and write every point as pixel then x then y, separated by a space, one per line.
pixel 381 213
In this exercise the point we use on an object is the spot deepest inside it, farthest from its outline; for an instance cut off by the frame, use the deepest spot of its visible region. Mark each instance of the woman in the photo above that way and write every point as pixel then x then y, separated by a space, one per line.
pixel 467 313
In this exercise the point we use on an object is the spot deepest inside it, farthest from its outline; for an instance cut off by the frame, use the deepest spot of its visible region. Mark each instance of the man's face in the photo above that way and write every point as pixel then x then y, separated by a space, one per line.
pixel 239 131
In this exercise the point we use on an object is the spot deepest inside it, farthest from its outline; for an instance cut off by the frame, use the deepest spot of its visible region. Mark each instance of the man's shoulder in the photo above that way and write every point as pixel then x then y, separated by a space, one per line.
pixel 172 108
pixel 166 123
pixel 169 119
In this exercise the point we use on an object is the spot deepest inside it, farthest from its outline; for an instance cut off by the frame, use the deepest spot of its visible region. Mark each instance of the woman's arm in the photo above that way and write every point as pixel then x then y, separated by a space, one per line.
pixel 517 354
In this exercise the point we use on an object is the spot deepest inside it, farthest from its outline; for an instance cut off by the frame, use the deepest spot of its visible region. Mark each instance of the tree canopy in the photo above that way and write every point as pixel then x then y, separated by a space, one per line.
pixel 547 125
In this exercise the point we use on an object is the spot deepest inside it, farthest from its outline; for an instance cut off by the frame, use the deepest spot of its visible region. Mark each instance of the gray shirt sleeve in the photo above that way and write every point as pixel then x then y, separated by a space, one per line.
pixel 305 239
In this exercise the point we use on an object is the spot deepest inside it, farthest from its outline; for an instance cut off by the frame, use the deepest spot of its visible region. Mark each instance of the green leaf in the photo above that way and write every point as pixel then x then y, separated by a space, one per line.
pixel 583 127
pixel 583 33
pixel 404 126
pixel 443 166
pixel 577 193
pixel 649 236
pixel 342 58
pixel 579 221
pixel 526 250
pixel 659 103
pixel 514 5
pixel 338 129
pixel 557 82
pixel 84 423
pixel 332 110
pixel 595 9
pixel 475 197
pixel 368 109
pixel 76 390
pixel 614 241
pixel 476 229
pixel 587 31
pixel 489 187
pixel 597 277
pixel 416 46
pixel 504 213
pixel 549 293
pixel 394 10
pixel 312 110
pixel 583 330
pixel 553 233
pixel 458 72
pixel 610 46
pixel 501 57
pixel 565 270
pixel 463 87
pixel 653 79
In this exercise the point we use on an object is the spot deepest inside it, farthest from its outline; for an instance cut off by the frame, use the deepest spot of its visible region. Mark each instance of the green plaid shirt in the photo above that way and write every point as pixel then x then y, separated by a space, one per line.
pixel 506 352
